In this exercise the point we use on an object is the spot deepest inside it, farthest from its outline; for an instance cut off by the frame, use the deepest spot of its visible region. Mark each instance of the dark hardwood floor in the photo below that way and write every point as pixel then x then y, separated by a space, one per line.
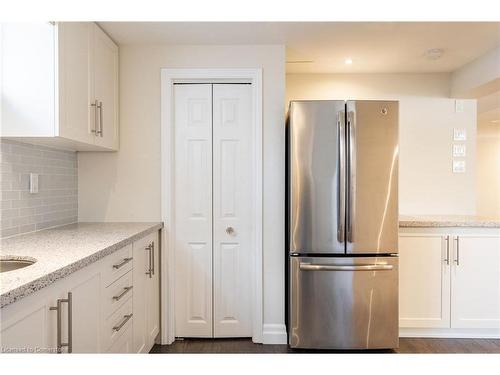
pixel 406 345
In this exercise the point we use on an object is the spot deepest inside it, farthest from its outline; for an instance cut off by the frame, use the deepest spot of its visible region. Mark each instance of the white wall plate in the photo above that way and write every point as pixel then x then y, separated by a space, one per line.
pixel 459 134
pixel 459 150
pixel 458 166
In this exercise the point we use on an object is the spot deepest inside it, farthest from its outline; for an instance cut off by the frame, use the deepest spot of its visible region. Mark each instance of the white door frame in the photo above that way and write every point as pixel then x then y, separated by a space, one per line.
pixel 168 78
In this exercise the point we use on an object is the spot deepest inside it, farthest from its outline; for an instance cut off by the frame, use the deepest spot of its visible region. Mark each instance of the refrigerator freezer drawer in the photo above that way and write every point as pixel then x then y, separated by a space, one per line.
pixel 343 303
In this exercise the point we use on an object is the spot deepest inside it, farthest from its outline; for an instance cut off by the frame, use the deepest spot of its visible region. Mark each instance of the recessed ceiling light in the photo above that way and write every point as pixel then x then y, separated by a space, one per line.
pixel 434 53
pixel 348 61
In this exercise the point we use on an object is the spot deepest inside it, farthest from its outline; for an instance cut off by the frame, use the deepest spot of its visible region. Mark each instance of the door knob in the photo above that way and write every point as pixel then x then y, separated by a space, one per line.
pixel 229 230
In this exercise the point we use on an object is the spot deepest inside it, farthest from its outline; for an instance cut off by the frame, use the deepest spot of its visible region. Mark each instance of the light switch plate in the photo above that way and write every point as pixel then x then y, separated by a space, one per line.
pixel 33 183
pixel 459 106
pixel 458 166
pixel 459 150
pixel 459 134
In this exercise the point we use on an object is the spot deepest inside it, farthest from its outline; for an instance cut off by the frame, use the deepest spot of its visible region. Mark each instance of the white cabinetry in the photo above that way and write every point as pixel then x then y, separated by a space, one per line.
pixel 104 88
pixel 424 281
pixel 146 294
pixel 450 282
pixel 26 326
pixel 109 306
pixel 475 279
pixel 60 85
pixel 34 324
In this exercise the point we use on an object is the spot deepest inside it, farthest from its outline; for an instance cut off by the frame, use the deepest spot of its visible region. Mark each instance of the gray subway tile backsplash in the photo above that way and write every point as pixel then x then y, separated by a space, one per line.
pixel 56 202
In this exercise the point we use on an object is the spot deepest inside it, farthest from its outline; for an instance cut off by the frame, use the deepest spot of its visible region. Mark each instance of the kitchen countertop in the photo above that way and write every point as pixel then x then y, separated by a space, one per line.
pixel 61 251
pixel 441 221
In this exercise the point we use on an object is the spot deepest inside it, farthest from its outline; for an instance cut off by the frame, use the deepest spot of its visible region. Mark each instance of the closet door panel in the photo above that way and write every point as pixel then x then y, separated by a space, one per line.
pixel 232 205
pixel 193 210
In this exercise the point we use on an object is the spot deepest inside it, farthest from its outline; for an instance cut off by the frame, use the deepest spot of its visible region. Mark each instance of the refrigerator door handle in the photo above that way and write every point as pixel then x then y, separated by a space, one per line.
pixel 341 176
pixel 329 267
pixel 351 173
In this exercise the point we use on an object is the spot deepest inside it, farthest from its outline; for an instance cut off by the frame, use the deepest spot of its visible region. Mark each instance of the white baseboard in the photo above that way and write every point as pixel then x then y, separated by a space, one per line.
pixel 274 334
pixel 450 333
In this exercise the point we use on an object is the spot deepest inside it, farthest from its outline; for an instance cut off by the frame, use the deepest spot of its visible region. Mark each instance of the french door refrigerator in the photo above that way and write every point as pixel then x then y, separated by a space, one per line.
pixel 342 224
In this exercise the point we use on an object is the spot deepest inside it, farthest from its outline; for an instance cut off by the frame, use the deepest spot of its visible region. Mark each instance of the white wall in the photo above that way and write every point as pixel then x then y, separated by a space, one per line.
pixel 427 118
pixel 478 78
pixel 125 186
pixel 488 170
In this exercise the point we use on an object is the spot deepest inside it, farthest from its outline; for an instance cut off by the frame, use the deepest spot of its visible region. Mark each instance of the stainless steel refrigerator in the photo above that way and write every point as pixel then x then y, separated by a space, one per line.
pixel 342 224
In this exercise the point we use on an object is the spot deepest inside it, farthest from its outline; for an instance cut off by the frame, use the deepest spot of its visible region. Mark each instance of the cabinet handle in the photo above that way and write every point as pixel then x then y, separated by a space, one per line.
pixel 447 260
pixel 125 291
pixel 150 270
pixel 96 116
pixel 153 257
pixel 58 308
pixel 119 326
pixel 120 265
pixel 457 260
pixel 100 119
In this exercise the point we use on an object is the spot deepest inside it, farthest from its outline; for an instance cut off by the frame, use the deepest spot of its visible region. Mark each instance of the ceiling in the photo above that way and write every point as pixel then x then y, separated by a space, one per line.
pixel 374 47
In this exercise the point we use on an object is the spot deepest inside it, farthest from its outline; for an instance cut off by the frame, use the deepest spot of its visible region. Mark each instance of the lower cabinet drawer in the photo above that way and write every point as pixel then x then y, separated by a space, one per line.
pixel 124 343
pixel 117 294
pixel 117 264
pixel 117 324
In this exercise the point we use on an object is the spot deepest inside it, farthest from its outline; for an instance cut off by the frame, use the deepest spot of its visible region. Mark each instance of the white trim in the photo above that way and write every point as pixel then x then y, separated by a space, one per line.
pixel 450 333
pixel 168 77
pixel 274 334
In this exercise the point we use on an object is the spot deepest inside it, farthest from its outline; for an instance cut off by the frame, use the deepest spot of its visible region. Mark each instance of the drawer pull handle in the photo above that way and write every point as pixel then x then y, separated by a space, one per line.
pixel 125 291
pixel 125 261
pixel 119 326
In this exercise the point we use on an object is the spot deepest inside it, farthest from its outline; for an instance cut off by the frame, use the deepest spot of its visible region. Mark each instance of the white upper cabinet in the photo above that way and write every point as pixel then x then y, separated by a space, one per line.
pixel 104 88
pixel 60 85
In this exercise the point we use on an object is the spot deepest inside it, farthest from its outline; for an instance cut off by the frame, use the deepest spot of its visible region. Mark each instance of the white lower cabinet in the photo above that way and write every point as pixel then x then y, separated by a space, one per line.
pixel 124 344
pixel 26 327
pixel 85 312
pixel 109 306
pixel 64 317
pixel 449 284
pixel 424 282
pixel 475 279
pixel 146 294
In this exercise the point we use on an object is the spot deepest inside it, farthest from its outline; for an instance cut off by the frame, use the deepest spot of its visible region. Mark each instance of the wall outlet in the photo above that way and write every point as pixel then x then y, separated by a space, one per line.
pixel 459 150
pixel 459 134
pixel 459 106
pixel 458 166
pixel 33 183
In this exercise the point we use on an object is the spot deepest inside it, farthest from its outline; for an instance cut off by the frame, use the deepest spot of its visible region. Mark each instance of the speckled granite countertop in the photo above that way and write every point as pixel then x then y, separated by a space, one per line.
pixel 61 251
pixel 438 221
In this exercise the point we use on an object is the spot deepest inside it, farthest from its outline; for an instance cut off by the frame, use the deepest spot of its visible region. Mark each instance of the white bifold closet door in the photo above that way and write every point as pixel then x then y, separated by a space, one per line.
pixel 213 210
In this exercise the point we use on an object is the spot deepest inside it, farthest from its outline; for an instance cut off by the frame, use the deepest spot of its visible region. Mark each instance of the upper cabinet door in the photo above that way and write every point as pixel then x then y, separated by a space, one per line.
pixel 27 92
pixel 75 114
pixel 104 88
